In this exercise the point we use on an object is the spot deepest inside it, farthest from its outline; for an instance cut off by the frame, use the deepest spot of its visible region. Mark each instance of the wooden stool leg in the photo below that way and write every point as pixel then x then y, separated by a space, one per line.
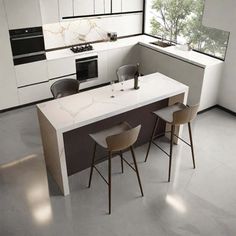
pixel 171 150
pixel 122 162
pixel 191 142
pixel 92 166
pixel 136 168
pixel 109 180
pixel 152 137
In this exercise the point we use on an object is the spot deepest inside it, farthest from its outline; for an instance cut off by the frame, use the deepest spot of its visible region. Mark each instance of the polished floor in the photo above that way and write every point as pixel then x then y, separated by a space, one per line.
pixel 196 202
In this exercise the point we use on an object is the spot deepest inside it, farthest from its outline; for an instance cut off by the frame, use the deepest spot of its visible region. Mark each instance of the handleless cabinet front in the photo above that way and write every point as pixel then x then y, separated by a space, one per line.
pixel 31 73
pixel 82 7
pixel 61 67
pixel 23 14
pixel 102 6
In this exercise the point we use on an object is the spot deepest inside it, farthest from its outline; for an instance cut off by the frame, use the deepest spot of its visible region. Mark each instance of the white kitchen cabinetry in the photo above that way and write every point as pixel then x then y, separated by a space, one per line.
pixel 116 6
pixel 132 5
pixel 82 7
pixel 61 67
pixel 49 11
pixel 102 6
pixel 34 93
pixel 8 88
pixel 23 14
pixel 31 73
pixel 203 82
pixel 66 8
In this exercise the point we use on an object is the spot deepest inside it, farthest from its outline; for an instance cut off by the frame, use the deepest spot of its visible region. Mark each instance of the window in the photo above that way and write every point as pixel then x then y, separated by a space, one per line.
pixel 180 21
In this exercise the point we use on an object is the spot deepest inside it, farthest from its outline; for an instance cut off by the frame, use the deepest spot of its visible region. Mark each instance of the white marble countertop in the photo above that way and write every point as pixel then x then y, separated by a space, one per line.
pixel 193 57
pixel 88 107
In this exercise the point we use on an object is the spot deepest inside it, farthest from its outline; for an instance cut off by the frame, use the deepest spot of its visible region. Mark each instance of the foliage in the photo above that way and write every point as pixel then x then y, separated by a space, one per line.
pixel 182 19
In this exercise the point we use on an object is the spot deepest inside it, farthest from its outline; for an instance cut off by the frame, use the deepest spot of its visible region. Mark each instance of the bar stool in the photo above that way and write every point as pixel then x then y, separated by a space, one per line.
pixel 116 140
pixel 127 72
pixel 175 115
pixel 64 87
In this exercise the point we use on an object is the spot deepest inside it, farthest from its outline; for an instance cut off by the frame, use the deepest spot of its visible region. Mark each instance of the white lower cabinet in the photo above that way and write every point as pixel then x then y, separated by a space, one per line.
pixel 61 67
pixel 34 93
pixel 203 82
pixel 31 73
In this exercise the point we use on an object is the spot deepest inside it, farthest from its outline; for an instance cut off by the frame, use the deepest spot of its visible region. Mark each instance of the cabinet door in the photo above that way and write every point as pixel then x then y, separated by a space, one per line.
pixel 132 5
pixel 34 93
pixel 186 73
pixel 23 14
pixel 61 67
pixel 8 88
pixel 65 8
pixel 153 61
pixel 99 7
pixel 82 7
pixel 49 11
pixel 107 6
pixel 31 73
pixel 116 6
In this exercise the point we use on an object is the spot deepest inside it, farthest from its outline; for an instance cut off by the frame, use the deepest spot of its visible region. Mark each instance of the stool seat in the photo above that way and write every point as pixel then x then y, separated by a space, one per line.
pixel 166 113
pixel 100 137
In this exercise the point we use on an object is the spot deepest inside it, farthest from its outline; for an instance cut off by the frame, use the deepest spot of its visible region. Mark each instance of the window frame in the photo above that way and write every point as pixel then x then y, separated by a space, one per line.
pixel 176 43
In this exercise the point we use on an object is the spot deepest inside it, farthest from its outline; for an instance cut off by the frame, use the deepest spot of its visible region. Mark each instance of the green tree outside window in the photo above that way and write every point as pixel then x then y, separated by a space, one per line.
pixel 181 21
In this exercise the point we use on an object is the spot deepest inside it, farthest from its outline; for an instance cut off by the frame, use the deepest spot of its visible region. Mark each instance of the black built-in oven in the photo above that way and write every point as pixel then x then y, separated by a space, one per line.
pixel 27 45
pixel 87 68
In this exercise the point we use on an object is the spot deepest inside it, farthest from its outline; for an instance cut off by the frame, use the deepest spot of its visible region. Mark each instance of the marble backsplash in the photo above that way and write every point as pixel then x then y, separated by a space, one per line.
pixel 84 30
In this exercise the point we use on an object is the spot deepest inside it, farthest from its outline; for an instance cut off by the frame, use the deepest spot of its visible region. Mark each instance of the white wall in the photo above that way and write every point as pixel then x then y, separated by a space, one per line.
pixel 221 14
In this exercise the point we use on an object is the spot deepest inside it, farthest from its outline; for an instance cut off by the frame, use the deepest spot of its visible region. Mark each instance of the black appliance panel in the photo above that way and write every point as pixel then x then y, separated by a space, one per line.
pixel 87 68
pixel 29 59
pixel 27 45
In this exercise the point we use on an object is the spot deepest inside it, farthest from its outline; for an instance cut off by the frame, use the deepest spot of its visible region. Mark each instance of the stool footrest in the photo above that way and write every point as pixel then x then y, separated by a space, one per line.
pixel 159 135
pixel 100 174
pixel 161 149
pixel 129 164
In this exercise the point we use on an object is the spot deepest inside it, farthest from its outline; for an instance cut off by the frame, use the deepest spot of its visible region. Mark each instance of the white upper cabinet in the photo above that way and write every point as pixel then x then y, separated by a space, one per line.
pixel 23 14
pixel 102 6
pixel 8 88
pixel 66 8
pixel 84 7
pixel 116 6
pixel 49 11
pixel 132 5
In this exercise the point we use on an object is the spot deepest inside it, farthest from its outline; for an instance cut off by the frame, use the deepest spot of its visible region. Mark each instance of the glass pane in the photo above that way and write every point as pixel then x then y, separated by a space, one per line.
pixel 181 21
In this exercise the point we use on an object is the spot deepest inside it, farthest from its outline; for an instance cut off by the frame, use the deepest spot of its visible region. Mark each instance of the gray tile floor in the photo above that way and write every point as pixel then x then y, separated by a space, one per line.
pixel 196 202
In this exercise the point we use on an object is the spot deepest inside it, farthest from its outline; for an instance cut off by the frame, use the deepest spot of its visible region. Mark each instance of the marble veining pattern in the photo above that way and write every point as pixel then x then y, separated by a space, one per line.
pixel 88 107
pixel 73 32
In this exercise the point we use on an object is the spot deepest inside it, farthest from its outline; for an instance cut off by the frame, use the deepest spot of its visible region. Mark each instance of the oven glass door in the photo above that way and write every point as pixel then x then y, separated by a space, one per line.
pixel 87 68
pixel 27 45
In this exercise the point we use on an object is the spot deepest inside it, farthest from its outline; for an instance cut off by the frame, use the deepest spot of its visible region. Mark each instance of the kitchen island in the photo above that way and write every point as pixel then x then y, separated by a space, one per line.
pixel 66 122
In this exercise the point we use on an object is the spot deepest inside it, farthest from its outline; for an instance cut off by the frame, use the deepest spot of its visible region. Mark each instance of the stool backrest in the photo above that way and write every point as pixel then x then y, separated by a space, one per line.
pixel 186 115
pixel 126 72
pixel 64 87
pixel 123 140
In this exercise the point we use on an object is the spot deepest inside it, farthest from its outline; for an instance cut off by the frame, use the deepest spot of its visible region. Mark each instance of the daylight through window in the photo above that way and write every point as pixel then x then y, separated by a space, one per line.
pixel 180 21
